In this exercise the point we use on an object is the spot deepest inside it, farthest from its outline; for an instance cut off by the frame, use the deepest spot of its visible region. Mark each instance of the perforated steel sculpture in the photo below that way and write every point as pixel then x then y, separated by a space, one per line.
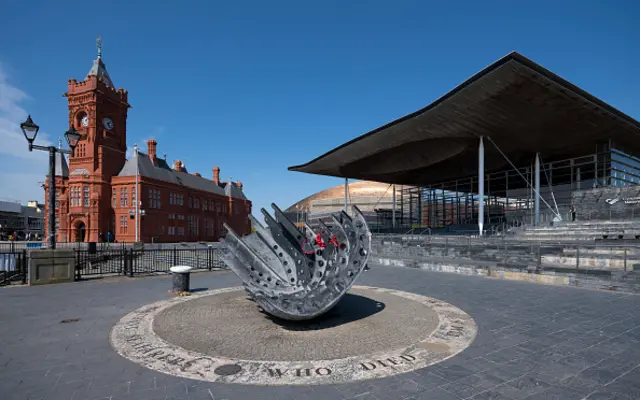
pixel 298 275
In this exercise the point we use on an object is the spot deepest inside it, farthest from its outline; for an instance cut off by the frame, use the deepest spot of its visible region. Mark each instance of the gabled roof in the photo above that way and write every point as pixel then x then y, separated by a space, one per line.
pixel 520 106
pixel 62 169
pixel 231 189
pixel 99 69
pixel 163 172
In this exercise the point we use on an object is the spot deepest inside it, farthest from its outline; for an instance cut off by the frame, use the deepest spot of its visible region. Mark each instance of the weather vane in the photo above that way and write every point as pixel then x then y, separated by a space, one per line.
pixel 99 43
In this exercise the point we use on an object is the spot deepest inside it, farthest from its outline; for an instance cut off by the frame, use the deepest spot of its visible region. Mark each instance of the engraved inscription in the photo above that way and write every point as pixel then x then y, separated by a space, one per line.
pixel 388 362
pixel 456 331
pixel 298 372
pixel 133 338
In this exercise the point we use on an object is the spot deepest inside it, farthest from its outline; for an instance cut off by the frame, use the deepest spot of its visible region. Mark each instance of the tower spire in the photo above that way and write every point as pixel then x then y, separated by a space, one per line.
pixel 99 44
pixel 99 69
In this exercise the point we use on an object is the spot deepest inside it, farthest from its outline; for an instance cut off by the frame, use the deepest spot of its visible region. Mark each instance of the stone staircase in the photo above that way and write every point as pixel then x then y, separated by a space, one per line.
pixel 525 255
pixel 580 231
pixel 576 259
pixel 625 258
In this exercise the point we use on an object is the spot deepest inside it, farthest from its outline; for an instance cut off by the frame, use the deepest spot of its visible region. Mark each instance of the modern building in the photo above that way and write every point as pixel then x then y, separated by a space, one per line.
pixel 515 143
pixel 372 198
pixel 366 195
pixel 21 219
pixel 97 191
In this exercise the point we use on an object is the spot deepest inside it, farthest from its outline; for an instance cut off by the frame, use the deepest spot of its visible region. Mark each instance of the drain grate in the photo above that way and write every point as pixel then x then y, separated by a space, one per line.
pixel 70 320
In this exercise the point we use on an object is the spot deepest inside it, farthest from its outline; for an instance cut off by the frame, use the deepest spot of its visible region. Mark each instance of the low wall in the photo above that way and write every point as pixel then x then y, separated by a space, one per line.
pixel 608 202
pixel 613 262
pixel 51 266
pixel 613 281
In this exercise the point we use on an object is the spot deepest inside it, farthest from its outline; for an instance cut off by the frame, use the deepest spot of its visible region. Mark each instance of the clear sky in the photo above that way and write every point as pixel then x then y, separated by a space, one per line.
pixel 257 86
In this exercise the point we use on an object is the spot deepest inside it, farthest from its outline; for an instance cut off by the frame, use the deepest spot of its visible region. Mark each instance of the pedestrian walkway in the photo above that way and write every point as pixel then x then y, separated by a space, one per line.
pixel 533 342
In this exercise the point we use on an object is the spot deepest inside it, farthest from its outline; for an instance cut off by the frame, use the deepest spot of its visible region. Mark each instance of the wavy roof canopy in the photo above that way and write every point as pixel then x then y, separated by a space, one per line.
pixel 523 107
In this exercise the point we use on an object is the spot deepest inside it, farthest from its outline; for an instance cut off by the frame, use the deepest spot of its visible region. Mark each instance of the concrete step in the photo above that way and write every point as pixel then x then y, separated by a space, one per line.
pixel 613 251
pixel 578 231
pixel 567 235
pixel 601 223
pixel 593 262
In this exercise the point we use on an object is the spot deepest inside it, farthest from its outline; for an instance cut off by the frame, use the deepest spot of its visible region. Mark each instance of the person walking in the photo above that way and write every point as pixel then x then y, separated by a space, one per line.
pixel 572 211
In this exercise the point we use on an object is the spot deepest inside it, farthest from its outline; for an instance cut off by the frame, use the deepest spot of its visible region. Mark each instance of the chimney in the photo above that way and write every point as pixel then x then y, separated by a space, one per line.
pixel 239 184
pixel 151 148
pixel 197 174
pixel 216 175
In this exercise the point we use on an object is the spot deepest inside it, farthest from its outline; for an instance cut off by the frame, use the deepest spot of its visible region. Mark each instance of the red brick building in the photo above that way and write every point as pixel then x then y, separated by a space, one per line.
pixel 97 190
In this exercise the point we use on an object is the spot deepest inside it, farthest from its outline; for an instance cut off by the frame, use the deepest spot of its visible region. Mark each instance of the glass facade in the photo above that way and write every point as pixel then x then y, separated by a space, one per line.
pixel 509 196
pixel 625 169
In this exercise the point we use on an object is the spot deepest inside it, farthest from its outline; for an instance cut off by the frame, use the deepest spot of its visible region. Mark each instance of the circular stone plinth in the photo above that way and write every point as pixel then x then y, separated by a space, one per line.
pixel 221 335
pixel 365 321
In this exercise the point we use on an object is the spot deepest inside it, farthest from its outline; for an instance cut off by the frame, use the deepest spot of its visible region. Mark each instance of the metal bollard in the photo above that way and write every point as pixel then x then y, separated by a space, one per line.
pixel 181 277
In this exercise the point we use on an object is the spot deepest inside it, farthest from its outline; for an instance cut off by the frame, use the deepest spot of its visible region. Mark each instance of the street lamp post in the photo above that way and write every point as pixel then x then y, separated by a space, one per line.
pixel 137 202
pixel 30 131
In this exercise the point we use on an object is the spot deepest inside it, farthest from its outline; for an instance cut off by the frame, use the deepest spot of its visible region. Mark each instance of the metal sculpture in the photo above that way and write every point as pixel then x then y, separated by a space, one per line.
pixel 299 275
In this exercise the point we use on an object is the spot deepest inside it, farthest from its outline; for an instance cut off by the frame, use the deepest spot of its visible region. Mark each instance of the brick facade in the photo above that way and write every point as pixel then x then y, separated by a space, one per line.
pixel 95 198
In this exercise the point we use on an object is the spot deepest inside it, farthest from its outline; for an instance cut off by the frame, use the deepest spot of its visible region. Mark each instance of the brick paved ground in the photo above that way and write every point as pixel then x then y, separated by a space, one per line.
pixel 534 342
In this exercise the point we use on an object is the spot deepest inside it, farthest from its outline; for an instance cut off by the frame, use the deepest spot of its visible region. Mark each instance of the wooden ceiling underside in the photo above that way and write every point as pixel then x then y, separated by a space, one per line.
pixel 521 109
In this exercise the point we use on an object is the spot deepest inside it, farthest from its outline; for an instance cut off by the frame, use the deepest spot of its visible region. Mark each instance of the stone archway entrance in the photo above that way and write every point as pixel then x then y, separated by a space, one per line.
pixel 80 231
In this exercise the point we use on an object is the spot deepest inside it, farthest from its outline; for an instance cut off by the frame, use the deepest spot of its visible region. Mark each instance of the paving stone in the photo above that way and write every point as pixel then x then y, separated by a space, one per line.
pixel 428 380
pixel 594 354
pixel 530 383
pixel 105 390
pixel 509 354
pixel 451 372
pixel 538 341
pixel 364 396
pixel 398 390
pixel 556 393
pixel 349 390
pixel 625 386
pixel 461 390
pixel 434 394
pixel 501 392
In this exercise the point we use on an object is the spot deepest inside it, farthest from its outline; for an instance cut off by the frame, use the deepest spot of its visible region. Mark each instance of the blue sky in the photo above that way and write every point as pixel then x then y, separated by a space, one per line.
pixel 255 86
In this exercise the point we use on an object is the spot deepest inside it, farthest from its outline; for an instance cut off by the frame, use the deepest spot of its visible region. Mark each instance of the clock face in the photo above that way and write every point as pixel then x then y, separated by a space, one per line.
pixel 108 124
pixel 85 120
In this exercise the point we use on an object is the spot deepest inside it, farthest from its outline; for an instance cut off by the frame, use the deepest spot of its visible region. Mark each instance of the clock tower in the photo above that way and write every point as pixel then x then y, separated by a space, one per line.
pixel 99 112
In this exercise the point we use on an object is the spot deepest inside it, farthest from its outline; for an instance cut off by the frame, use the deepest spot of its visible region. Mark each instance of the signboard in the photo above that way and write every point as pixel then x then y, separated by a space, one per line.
pixel 625 200
pixel 133 212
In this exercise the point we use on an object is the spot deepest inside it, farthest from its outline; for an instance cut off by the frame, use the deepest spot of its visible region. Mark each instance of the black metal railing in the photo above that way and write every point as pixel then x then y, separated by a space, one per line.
pixel 13 267
pixel 12 246
pixel 132 261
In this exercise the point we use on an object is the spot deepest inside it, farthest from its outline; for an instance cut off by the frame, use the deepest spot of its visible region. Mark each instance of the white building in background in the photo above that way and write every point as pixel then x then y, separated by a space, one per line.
pixel 21 219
